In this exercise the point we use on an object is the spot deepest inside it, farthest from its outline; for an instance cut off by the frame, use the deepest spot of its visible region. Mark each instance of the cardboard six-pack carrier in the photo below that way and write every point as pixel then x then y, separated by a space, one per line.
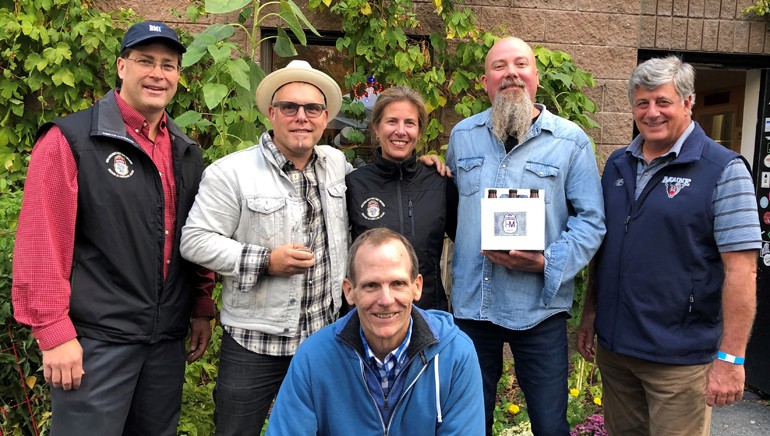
pixel 513 219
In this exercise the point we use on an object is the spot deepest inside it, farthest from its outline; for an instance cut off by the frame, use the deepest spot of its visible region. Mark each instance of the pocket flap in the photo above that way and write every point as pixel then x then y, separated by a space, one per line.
pixel 337 189
pixel 470 163
pixel 542 170
pixel 265 205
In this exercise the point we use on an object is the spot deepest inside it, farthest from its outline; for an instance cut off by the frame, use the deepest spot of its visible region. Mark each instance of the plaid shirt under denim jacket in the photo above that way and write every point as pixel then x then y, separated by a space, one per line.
pixel 250 197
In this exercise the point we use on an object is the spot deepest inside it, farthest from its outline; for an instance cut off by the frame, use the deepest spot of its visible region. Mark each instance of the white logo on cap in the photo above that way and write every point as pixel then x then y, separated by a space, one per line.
pixel 154 28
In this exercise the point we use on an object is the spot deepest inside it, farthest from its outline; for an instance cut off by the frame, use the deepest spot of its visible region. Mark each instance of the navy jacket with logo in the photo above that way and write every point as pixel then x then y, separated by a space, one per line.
pixel 415 201
pixel 118 290
pixel 660 274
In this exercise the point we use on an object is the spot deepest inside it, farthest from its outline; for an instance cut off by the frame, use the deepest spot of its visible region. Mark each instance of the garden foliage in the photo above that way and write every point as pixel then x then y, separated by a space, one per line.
pixel 58 57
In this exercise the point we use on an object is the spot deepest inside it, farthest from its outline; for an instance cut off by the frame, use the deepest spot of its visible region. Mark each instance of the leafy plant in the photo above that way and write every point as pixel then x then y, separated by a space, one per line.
pixel 760 8
pixel 21 387
pixel 386 40
pixel 56 57
pixel 219 108
pixel 561 87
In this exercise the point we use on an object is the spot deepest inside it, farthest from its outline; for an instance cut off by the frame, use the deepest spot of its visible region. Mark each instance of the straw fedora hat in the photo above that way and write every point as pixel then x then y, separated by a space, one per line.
pixel 299 71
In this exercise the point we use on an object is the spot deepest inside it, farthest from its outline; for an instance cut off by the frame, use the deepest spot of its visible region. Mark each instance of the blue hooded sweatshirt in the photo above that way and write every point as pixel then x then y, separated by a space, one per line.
pixel 325 391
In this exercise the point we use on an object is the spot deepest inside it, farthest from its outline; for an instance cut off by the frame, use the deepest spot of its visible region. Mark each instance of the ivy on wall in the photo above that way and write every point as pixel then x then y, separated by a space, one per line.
pixel 58 57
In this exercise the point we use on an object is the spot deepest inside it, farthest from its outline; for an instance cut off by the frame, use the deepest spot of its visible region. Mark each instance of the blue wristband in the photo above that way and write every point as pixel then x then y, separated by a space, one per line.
pixel 730 358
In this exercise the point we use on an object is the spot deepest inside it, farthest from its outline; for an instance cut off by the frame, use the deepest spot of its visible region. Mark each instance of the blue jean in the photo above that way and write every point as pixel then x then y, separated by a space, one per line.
pixel 541 365
pixel 247 384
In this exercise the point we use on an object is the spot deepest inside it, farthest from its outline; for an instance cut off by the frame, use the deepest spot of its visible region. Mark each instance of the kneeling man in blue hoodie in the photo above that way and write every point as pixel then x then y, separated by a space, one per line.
pixel 387 367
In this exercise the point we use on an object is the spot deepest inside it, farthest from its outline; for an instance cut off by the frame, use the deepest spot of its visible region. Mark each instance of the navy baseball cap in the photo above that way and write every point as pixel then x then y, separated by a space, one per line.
pixel 143 32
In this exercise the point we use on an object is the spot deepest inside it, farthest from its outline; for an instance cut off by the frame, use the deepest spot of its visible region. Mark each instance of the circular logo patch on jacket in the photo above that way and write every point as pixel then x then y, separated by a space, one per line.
pixel 372 208
pixel 119 165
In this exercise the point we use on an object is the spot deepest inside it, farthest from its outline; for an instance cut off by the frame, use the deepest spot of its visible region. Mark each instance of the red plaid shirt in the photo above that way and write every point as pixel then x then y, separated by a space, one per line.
pixel 46 230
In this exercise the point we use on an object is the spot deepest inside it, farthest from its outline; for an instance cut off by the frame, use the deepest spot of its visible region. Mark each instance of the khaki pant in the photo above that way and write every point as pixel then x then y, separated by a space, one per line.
pixel 653 399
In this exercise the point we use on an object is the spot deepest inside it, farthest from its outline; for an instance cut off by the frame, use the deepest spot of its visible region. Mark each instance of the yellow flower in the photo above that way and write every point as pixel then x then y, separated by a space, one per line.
pixel 598 401
pixel 574 392
pixel 513 409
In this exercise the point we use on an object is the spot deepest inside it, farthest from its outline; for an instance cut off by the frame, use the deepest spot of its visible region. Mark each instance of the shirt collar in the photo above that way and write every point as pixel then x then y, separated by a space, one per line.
pixel 133 119
pixel 280 159
pixel 635 148
pixel 398 354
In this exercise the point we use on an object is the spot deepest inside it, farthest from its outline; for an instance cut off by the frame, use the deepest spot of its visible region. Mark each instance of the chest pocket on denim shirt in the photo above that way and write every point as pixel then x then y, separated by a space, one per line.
pixel 267 217
pixel 469 175
pixel 541 176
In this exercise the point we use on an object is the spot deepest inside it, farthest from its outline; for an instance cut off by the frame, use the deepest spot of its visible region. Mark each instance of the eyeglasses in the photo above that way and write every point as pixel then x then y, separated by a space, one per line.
pixel 147 65
pixel 290 109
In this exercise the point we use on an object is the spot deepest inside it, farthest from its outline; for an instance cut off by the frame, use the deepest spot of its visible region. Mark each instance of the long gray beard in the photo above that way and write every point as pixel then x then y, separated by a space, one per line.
pixel 511 115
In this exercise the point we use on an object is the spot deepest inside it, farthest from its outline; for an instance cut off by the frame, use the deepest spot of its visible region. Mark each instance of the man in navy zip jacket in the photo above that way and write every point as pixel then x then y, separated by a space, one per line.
pixel 673 288
pixel 403 371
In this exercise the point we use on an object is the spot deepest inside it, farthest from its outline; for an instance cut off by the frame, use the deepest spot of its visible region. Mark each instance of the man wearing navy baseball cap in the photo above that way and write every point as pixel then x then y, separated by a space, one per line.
pixel 97 271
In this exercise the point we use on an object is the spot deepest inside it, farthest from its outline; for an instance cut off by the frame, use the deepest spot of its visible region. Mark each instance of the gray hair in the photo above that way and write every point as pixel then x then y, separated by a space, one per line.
pixel 656 72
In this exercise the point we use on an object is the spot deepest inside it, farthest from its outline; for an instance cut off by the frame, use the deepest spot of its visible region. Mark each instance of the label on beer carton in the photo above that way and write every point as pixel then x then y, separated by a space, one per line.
pixel 513 219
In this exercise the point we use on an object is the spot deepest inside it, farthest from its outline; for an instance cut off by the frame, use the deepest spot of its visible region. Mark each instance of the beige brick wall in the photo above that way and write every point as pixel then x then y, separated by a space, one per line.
pixel 603 36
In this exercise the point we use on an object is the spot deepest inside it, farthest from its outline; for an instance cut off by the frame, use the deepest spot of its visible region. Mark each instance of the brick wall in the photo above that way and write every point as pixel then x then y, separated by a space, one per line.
pixel 603 37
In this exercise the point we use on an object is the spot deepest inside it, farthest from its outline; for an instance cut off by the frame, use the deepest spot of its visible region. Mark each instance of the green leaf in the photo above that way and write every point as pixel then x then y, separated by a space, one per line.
pixel 239 71
pixel 219 54
pixel 209 37
pixel 459 82
pixel 192 56
pixel 224 6
pixel 214 93
pixel 298 13
pixel 563 78
pixel 64 76
pixel 283 45
pixel 287 14
pixel 188 118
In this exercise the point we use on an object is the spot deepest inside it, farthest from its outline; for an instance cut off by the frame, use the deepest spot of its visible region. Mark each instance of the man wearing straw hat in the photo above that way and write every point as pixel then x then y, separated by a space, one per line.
pixel 272 220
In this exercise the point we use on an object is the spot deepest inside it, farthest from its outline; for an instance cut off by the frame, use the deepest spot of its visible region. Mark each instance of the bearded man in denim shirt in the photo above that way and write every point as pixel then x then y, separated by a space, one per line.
pixel 523 297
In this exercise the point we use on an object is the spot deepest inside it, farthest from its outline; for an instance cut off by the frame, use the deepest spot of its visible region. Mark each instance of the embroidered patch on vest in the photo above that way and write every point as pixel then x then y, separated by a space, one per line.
pixel 372 208
pixel 119 165
pixel 675 184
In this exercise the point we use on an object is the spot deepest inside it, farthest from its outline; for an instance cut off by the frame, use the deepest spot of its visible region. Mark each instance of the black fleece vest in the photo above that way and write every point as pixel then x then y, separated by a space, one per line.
pixel 118 290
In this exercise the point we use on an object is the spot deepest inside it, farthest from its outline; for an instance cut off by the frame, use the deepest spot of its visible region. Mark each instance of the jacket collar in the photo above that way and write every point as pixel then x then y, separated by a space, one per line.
pixel 422 334
pixel 318 159
pixel 691 151
pixel 107 121
pixel 393 170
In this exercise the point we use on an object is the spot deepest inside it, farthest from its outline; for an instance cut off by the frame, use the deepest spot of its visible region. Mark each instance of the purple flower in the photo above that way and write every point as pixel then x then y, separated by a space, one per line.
pixel 591 426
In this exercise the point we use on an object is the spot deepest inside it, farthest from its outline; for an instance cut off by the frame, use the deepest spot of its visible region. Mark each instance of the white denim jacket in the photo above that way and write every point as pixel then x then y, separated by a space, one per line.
pixel 245 198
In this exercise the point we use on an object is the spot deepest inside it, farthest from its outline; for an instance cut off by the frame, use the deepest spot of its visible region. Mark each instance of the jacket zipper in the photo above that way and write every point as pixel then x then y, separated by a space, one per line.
pixel 400 204
pixel 366 386
pixel 411 217
pixel 407 388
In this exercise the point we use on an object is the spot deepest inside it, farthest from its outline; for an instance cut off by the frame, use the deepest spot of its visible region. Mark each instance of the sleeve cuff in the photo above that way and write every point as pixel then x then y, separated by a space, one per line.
pixel 55 334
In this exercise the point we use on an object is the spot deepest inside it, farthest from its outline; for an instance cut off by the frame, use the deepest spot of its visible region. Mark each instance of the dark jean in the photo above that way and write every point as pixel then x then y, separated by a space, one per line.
pixel 247 384
pixel 541 365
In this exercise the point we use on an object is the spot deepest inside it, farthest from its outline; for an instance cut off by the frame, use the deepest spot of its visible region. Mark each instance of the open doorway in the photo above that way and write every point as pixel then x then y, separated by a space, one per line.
pixel 719 105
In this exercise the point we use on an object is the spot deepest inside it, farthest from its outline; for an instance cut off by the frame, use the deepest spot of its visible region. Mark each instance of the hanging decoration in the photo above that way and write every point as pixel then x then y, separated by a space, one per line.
pixel 366 90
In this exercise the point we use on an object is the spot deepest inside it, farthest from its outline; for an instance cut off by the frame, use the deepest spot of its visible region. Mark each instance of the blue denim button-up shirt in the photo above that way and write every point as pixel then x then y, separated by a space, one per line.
pixel 557 156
